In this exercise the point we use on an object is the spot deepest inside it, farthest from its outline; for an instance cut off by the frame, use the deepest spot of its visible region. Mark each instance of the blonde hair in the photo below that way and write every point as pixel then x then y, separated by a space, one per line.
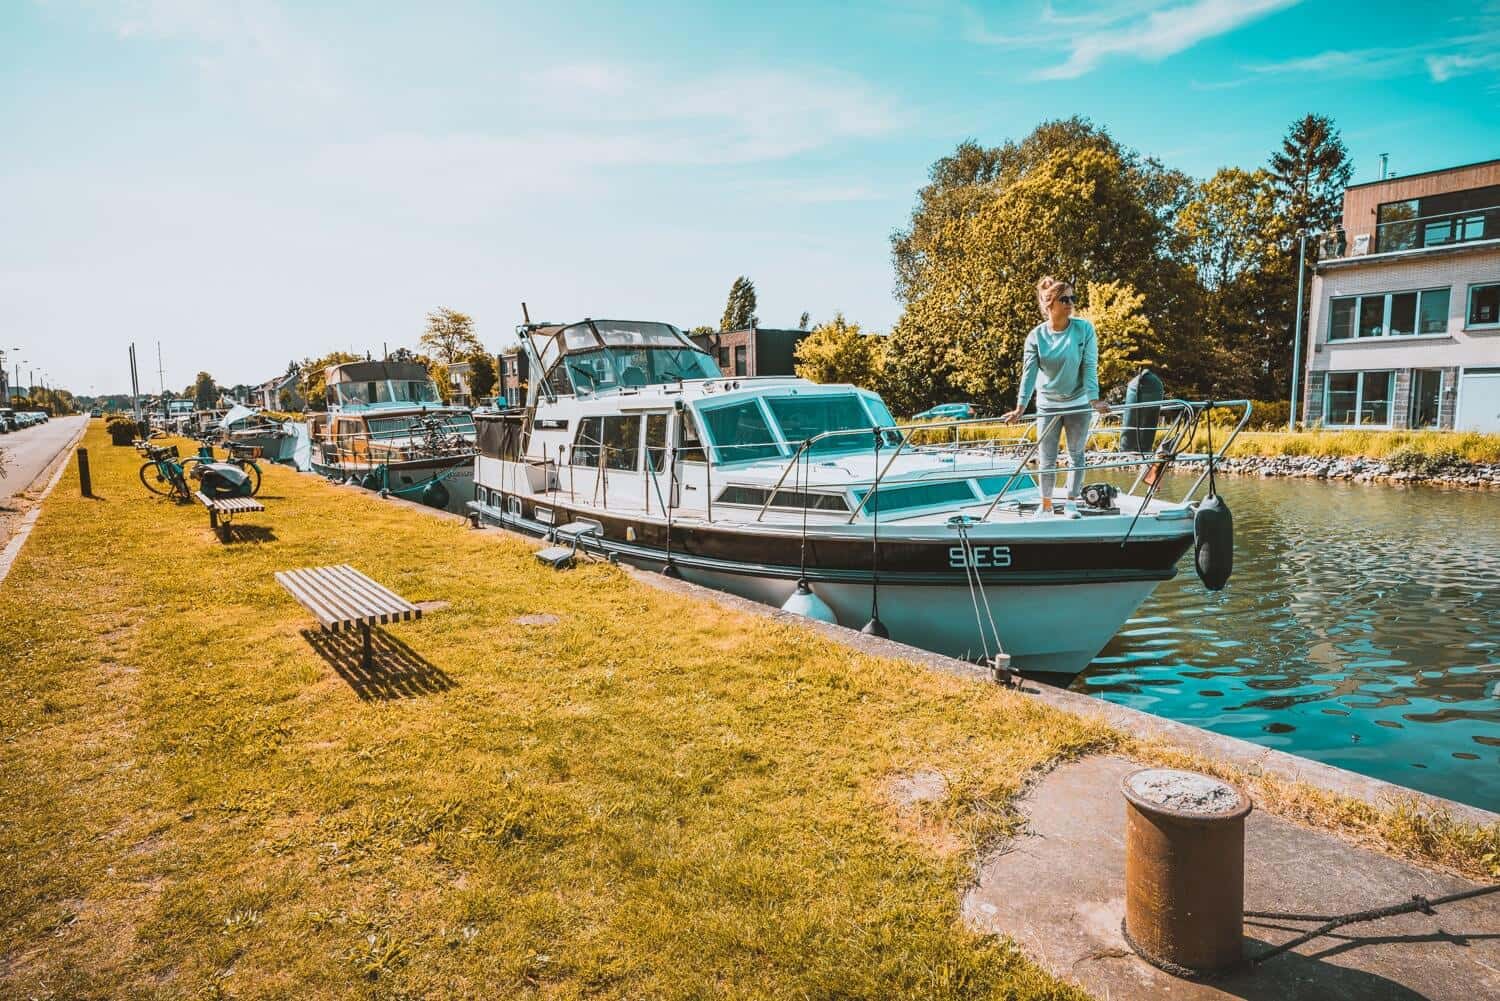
pixel 1047 290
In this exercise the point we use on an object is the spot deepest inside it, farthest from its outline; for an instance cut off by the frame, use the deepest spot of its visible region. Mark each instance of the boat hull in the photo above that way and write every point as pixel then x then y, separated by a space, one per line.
pixel 1050 621
pixel 410 479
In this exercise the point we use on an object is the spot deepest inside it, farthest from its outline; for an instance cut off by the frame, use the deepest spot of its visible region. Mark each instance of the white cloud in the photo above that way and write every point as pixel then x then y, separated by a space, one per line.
pixel 1160 33
pixel 1446 67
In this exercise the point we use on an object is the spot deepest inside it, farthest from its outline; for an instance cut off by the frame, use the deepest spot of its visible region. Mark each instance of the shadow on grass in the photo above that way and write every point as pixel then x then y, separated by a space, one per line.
pixel 250 533
pixel 396 671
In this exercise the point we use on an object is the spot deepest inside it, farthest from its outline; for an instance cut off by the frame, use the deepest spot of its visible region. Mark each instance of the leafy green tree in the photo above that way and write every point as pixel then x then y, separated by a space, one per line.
pixel 482 375
pixel 803 322
pixel 450 335
pixel 205 393
pixel 1066 200
pixel 739 311
pixel 1311 172
pixel 1127 340
pixel 839 351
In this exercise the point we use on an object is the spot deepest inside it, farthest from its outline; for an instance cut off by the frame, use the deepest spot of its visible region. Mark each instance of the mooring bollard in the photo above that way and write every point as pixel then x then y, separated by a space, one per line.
pixel 84 483
pixel 1184 870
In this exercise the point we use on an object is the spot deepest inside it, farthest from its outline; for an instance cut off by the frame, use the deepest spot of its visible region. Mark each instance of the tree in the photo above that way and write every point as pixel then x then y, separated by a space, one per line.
pixel 482 375
pixel 450 335
pixel 1066 200
pixel 311 384
pixel 739 311
pixel 205 394
pixel 1077 213
pixel 1127 341
pixel 1311 172
pixel 806 318
pixel 838 351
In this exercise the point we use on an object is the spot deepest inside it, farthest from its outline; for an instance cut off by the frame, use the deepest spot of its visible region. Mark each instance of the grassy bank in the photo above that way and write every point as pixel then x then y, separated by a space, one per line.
pixel 1384 445
pixel 200 795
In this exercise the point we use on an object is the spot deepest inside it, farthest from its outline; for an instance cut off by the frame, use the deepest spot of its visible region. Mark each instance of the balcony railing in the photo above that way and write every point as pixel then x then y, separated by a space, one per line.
pixel 1437 230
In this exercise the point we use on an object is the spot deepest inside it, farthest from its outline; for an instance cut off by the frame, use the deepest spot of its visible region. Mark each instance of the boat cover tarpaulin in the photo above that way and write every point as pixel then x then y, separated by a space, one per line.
pixel 236 414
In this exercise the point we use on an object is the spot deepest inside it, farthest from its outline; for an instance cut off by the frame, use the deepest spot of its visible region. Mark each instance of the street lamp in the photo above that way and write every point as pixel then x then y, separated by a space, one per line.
pixel 1302 235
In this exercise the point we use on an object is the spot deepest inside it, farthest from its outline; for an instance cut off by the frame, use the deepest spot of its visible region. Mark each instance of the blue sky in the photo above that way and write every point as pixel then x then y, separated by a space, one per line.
pixel 250 181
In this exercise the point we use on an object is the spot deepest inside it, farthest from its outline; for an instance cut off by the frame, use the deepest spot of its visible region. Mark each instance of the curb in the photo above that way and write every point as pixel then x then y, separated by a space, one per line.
pixel 1241 753
pixel 23 531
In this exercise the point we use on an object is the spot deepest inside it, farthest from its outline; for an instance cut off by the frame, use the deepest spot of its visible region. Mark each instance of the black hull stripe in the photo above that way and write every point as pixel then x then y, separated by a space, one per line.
pixel 944 577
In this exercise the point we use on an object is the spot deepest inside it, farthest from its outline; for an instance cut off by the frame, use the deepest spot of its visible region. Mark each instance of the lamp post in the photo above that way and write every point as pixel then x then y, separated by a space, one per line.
pixel 1302 235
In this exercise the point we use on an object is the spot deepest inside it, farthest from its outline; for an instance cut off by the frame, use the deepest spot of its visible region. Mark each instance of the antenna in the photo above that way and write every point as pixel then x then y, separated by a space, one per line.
pixel 160 372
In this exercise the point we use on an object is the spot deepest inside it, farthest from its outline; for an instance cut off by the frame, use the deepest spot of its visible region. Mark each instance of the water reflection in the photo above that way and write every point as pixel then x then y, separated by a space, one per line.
pixel 1361 628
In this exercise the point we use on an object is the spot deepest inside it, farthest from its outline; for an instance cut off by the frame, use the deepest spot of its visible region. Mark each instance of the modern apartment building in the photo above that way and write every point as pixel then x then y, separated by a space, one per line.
pixel 1404 328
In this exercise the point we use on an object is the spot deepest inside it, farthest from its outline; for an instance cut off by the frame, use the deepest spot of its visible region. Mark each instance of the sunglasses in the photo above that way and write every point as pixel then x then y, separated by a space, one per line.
pixel 1066 299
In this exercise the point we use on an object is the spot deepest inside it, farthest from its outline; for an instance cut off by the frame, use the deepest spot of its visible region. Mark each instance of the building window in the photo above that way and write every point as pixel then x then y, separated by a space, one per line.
pixel 724 360
pixel 1426 391
pixel 1389 314
pixel 1358 398
pixel 1484 305
pixel 740 366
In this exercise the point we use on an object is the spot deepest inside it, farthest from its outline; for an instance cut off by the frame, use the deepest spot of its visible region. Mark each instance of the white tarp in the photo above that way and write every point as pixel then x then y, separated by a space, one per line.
pixel 236 414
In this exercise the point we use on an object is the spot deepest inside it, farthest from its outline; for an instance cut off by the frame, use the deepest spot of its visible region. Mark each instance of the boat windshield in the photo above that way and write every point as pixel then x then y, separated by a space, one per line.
pixel 385 391
pixel 804 417
pixel 610 368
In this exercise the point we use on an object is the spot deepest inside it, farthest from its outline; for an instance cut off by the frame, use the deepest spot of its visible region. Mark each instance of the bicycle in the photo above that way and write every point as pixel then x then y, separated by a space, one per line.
pixel 162 474
pixel 243 456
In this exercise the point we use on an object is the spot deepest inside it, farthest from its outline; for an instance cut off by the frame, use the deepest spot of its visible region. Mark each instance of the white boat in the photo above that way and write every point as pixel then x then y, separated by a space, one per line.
pixel 632 446
pixel 387 429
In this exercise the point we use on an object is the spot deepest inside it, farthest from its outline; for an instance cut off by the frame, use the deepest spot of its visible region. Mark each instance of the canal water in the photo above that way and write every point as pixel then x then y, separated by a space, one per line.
pixel 1361 628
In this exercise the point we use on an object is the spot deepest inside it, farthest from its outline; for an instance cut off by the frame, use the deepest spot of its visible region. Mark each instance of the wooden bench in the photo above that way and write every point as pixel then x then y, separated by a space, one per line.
pixel 222 509
pixel 341 597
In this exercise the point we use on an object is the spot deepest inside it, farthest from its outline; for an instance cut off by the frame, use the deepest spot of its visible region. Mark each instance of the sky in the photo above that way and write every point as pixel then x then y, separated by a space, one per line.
pixel 249 182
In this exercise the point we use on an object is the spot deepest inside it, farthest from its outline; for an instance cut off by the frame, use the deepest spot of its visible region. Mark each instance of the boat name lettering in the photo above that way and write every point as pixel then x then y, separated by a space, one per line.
pixel 979 556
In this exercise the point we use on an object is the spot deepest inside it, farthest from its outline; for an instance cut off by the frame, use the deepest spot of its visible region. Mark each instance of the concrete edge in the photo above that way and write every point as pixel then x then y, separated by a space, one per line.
pixel 1243 754
pixel 12 550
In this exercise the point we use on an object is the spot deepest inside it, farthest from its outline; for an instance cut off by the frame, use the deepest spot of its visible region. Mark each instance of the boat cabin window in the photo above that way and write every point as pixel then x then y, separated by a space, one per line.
pixel 792 499
pixel 804 417
pixel 402 427
pixel 989 486
pixel 689 445
pixel 738 432
pixel 888 499
pixel 384 391
pixel 617 437
pixel 656 441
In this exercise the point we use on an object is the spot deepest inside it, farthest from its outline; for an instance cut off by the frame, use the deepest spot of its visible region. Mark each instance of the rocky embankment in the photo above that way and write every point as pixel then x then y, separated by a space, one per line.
pixel 1443 472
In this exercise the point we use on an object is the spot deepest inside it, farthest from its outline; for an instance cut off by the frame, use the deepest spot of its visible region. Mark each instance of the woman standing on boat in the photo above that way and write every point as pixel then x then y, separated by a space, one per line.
pixel 1066 352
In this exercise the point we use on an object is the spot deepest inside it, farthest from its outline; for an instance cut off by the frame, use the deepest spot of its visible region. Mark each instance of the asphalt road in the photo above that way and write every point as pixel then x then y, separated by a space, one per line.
pixel 30 451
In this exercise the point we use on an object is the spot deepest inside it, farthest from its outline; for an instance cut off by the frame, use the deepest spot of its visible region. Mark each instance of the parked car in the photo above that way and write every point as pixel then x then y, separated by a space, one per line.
pixel 947 412
pixel 8 422
pixel 41 416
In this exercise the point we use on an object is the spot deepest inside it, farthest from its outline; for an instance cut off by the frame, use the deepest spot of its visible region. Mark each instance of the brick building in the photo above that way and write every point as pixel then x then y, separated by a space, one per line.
pixel 753 350
pixel 1404 328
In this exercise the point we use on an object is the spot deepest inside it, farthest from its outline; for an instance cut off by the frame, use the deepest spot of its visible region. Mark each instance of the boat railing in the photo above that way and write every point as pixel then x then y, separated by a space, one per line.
pixel 1171 426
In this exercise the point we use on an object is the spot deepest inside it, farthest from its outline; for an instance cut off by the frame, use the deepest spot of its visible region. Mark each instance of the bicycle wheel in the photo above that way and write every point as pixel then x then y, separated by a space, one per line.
pixel 156 481
pixel 252 471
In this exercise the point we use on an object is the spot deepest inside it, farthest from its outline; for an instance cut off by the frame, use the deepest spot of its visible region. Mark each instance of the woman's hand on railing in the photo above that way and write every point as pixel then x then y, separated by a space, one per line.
pixel 1011 416
pixel 1100 406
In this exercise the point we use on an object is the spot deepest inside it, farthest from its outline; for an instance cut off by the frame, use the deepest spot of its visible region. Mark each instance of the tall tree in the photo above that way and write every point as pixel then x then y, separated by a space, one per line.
pixel 482 375
pixel 205 393
pixel 739 311
pixel 1311 172
pixel 839 351
pixel 450 335
pixel 803 322
pixel 1127 341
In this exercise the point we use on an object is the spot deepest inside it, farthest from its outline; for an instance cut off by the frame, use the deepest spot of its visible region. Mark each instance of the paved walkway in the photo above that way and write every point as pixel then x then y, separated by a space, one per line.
pixel 1060 894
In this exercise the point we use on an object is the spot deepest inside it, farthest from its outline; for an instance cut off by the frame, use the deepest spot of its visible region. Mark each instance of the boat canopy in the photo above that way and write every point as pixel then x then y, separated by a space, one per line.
pixel 597 355
pixel 365 383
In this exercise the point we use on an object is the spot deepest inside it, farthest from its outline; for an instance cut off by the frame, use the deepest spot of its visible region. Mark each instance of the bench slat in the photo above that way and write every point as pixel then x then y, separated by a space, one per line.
pixel 341 597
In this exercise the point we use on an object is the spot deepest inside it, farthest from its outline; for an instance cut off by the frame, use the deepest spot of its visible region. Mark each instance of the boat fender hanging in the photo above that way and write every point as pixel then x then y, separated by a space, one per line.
pixel 435 494
pixel 807 604
pixel 1213 542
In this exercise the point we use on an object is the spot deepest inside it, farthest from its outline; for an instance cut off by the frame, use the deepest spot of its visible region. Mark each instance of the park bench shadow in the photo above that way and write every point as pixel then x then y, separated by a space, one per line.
pixel 396 671
pixel 250 533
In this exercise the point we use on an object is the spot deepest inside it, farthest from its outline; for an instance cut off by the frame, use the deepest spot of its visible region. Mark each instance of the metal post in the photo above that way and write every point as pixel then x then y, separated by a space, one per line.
pixel 84 483
pixel 364 627
pixel 1291 420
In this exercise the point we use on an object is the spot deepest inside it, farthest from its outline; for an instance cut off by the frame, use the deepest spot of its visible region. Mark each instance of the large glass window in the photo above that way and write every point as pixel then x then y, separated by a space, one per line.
pixel 903 498
pixel 622 442
pixel 1355 398
pixel 1484 305
pixel 1426 391
pixel 1341 398
pixel 741 365
pixel 738 432
pixel 1341 323
pixel 1389 314
pixel 1433 314
pixel 689 445
pixel 804 417
pixel 1372 316
pixel 656 441
pixel 586 441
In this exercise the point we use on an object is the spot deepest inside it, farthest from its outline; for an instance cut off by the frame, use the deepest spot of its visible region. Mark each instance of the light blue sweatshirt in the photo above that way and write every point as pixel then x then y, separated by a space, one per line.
pixel 1069 363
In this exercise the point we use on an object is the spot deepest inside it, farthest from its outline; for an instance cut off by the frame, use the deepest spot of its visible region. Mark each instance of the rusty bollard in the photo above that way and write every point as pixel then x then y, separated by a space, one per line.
pixel 1184 870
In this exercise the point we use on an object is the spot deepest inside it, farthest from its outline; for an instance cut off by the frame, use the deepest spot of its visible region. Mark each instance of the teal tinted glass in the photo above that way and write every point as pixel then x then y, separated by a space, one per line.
pixel 903 498
pixel 804 417
pixel 738 432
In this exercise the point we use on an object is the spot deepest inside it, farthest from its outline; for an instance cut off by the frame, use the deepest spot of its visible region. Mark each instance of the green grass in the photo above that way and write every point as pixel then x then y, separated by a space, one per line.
pixel 651 797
